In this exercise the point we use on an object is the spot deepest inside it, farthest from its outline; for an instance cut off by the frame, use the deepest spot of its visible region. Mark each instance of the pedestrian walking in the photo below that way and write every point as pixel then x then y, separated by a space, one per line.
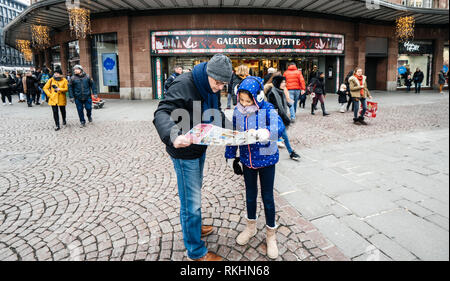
pixel 441 81
pixel 360 92
pixel 318 91
pixel 30 87
pixel 177 71
pixel 313 74
pixel 342 97
pixel 277 98
pixel 408 83
pixel 295 83
pixel 269 74
pixel 19 88
pixel 56 89
pixel 43 79
pixel 201 86
pixel 347 84
pixel 242 72
pixel 418 80
pixel 5 87
pixel 258 159
pixel 81 89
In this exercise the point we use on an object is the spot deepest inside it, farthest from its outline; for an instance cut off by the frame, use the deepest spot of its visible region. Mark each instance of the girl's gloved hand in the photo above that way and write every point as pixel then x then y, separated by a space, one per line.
pixel 237 166
pixel 263 135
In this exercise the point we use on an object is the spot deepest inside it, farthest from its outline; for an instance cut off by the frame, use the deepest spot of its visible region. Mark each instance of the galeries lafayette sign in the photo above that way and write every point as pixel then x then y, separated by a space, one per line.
pixel 242 41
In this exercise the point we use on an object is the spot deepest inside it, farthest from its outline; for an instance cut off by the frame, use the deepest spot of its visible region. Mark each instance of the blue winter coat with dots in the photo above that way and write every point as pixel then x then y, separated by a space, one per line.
pixel 258 155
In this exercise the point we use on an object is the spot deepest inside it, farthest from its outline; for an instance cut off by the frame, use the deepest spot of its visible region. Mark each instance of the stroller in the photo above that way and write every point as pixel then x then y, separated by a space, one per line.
pixel 97 102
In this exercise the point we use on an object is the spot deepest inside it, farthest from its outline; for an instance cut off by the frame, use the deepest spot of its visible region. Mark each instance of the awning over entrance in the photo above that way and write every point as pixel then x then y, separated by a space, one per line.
pixel 53 13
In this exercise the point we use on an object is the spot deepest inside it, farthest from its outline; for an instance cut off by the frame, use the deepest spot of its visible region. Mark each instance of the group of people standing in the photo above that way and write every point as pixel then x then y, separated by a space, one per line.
pixel 42 86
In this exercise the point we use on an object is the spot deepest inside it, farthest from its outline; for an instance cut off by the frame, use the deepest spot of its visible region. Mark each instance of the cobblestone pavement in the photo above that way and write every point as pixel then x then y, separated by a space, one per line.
pixel 108 192
pixel 379 192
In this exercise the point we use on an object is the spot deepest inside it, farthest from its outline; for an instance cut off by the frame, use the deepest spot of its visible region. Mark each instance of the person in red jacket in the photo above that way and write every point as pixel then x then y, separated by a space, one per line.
pixel 295 83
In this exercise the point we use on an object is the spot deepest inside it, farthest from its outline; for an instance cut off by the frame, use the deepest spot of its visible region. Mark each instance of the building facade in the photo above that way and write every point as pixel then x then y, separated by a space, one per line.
pixel 9 56
pixel 134 45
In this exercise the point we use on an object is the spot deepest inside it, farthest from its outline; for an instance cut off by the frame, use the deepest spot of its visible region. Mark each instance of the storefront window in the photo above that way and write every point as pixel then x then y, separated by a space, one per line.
pixel 73 54
pixel 105 62
pixel 55 57
pixel 413 55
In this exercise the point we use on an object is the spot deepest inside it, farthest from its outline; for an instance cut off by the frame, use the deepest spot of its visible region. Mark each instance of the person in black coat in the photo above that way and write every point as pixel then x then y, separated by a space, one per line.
pixel 347 84
pixel 418 79
pixel 178 70
pixel 196 93
pixel 342 97
pixel 277 98
pixel 30 87
pixel 5 87
pixel 318 90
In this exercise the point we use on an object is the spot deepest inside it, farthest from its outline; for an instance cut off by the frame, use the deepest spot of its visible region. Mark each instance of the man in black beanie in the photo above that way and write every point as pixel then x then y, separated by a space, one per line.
pixel 192 94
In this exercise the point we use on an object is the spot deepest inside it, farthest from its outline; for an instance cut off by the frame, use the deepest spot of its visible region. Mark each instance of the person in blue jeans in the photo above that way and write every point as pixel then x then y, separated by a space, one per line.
pixel 257 117
pixel 195 93
pixel 296 85
pixel 277 98
pixel 81 89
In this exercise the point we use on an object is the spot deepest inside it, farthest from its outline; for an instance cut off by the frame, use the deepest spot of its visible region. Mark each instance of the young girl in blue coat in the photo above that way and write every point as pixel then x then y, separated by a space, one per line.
pixel 259 117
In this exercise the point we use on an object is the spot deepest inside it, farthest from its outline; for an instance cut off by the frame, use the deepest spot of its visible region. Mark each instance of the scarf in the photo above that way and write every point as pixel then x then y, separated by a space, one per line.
pixel 246 110
pixel 360 79
pixel 210 99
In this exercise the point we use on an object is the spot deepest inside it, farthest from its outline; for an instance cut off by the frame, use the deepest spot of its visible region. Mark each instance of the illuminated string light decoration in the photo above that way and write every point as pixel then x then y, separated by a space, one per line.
pixel 41 36
pixel 80 22
pixel 24 46
pixel 405 28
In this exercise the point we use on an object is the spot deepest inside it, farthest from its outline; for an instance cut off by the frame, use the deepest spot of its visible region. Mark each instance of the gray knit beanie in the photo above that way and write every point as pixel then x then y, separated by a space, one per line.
pixel 79 67
pixel 220 68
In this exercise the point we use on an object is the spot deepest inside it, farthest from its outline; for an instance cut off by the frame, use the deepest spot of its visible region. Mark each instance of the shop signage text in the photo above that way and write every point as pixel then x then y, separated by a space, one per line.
pixel 241 41
pixel 411 47
pixel 416 47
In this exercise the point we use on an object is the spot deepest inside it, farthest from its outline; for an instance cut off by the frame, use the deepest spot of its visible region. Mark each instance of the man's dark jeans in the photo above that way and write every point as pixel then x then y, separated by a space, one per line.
pixel 81 105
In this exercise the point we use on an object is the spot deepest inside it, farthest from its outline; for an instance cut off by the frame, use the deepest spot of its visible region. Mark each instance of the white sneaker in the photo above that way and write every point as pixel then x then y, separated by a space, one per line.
pixel 281 144
pixel 10 103
pixel 4 103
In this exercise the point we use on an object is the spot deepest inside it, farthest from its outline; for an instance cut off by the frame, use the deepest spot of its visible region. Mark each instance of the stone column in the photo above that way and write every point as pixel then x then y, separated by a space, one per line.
pixel 438 61
pixel 392 63
pixel 85 55
pixel 125 59
pixel 47 56
pixel 64 57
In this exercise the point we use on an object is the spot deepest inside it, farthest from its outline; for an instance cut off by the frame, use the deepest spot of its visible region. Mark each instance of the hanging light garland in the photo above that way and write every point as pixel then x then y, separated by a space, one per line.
pixel 41 36
pixel 24 46
pixel 80 22
pixel 405 28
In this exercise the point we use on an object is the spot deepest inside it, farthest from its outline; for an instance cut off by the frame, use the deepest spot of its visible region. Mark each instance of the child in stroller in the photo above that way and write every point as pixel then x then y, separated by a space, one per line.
pixel 97 102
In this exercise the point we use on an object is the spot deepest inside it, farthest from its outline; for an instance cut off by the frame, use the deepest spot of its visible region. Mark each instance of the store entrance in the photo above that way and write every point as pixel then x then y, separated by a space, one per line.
pixel 260 65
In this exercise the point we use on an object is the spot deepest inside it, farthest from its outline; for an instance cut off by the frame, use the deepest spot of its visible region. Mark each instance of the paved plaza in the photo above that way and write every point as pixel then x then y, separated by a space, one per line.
pixel 108 191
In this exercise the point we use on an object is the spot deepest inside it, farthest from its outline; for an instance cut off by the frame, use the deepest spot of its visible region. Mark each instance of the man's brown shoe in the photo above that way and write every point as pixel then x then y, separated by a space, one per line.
pixel 208 257
pixel 207 230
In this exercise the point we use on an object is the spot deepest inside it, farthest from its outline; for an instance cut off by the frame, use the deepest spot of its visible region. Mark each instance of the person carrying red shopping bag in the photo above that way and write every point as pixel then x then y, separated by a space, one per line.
pixel 359 92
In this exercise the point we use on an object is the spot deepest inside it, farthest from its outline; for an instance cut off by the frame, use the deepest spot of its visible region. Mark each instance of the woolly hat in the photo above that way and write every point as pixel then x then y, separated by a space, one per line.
pixel 277 80
pixel 220 68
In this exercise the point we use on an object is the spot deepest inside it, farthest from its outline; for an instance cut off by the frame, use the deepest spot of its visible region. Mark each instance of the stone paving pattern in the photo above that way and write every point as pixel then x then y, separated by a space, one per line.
pixel 108 192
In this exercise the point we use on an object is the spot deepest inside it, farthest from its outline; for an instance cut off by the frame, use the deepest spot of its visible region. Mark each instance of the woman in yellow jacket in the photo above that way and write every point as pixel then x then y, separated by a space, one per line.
pixel 56 89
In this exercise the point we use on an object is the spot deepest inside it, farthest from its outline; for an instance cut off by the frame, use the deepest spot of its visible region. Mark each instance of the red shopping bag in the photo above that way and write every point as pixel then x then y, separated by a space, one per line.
pixel 372 109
